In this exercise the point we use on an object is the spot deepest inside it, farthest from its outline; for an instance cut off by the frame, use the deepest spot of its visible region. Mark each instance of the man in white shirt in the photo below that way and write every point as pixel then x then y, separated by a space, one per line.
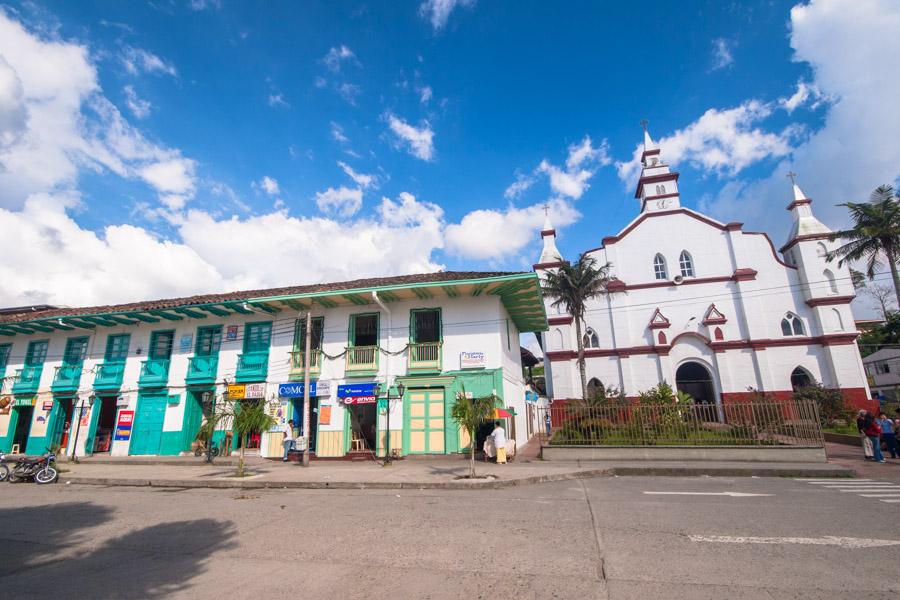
pixel 288 438
pixel 499 437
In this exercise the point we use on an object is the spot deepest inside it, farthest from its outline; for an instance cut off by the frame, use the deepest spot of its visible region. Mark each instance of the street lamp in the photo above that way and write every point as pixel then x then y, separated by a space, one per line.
pixel 387 445
pixel 90 400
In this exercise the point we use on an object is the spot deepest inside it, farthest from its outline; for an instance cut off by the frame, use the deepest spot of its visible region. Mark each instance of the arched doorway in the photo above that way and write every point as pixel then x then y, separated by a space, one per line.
pixel 800 378
pixel 695 379
pixel 595 387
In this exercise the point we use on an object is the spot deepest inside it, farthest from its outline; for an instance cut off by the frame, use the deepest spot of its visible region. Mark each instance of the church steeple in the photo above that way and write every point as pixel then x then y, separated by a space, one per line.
pixel 657 189
pixel 805 222
pixel 550 255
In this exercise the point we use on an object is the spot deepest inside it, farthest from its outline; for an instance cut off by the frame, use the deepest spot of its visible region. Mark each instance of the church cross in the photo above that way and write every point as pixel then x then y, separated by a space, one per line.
pixel 644 123
pixel 546 208
pixel 792 177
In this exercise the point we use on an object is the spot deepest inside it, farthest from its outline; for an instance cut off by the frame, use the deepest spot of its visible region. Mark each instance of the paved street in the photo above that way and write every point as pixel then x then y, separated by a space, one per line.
pixel 597 538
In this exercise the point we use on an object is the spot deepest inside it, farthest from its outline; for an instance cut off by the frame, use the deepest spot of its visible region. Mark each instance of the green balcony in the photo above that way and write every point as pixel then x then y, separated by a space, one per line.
pixel 424 357
pixel 252 367
pixel 66 378
pixel 202 370
pixel 109 376
pixel 154 373
pixel 298 365
pixel 27 380
pixel 361 360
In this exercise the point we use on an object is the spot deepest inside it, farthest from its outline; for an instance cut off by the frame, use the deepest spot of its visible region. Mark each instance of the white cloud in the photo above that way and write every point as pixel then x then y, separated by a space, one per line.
pixel 337 56
pixel 851 48
pixel 138 60
pixel 722 141
pixel 361 179
pixel 320 82
pixel 499 234
pixel 337 133
pixel 172 178
pixel 425 94
pixel 519 186
pixel 139 107
pixel 269 185
pixel 349 92
pixel 721 54
pixel 419 140
pixel 199 5
pixel 580 167
pixel 277 100
pixel 805 93
pixel 341 202
pixel 438 11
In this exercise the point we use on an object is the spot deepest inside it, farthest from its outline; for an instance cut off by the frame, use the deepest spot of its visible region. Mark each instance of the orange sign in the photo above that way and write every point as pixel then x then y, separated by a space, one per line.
pixel 325 415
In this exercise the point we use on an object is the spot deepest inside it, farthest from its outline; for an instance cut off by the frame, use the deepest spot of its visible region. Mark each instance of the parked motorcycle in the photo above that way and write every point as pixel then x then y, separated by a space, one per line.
pixel 4 470
pixel 40 469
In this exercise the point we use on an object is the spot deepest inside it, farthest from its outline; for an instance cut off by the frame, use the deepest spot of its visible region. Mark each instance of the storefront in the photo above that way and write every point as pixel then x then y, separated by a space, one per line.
pixel 360 404
pixel 61 426
pixel 246 393
pixel 290 399
pixel 21 416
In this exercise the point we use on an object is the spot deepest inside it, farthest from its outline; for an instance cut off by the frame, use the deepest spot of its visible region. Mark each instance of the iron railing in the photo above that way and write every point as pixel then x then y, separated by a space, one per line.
pixel 424 355
pixel 362 358
pixel 574 423
pixel 297 362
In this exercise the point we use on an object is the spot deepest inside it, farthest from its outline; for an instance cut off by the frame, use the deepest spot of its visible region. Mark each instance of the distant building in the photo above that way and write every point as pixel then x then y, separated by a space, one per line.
pixel 140 378
pixel 706 306
pixel 883 371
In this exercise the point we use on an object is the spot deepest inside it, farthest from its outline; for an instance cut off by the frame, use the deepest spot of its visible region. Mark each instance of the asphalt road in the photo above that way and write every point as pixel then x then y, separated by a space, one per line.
pixel 600 538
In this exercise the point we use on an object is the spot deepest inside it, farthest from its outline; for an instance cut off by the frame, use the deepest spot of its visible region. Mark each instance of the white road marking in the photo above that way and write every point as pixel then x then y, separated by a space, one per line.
pixel 831 480
pixel 843 542
pixel 884 495
pixel 897 500
pixel 873 489
pixel 732 494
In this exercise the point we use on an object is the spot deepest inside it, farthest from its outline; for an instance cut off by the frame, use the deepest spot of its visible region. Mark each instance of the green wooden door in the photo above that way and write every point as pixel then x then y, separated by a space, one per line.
pixel 148 423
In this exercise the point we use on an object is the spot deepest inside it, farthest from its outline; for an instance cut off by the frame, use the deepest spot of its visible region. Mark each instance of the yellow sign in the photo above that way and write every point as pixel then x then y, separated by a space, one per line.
pixel 236 392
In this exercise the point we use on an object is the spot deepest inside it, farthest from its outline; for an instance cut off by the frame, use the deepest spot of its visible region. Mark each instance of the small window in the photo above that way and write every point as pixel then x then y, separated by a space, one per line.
pixel 686 263
pixel 4 355
pixel 161 345
pixel 590 339
pixel 117 347
pixel 659 267
pixel 821 250
pixel 37 353
pixel 558 339
pixel 209 340
pixel 364 330
pixel 660 190
pixel 800 378
pixel 315 338
pixel 426 325
pixel 791 325
pixel 257 337
pixel 76 349
pixel 832 284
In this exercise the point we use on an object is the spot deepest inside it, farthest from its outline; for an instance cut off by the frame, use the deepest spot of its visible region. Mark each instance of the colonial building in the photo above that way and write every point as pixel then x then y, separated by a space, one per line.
pixel 140 378
pixel 704 305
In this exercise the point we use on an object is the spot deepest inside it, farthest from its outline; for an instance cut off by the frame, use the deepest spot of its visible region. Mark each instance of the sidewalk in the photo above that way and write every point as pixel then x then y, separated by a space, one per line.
pixel 851 457
pixel 413 474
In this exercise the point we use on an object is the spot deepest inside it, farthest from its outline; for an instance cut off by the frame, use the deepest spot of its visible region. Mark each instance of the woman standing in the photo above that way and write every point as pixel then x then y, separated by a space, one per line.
pixel 864 439
pixel 873 431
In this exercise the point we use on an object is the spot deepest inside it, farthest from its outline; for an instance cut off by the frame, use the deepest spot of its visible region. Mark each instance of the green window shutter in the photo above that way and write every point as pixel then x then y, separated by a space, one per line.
pixel 76 348
pixel 209 341
pixel 315 342
pixel 37 353
pixel 257 337
pixel 117 347
pixel 4 355
pixel 161 345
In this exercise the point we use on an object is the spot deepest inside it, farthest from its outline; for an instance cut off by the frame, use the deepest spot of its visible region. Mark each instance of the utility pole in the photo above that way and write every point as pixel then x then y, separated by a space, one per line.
pixel 307 344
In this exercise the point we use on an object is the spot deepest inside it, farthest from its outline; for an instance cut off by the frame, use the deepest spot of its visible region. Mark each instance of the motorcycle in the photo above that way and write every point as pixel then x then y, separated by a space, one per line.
pixel 4 470
pixel 40 469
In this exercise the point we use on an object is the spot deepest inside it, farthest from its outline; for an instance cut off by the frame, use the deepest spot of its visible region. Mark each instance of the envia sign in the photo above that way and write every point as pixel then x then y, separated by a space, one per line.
pixel 352 390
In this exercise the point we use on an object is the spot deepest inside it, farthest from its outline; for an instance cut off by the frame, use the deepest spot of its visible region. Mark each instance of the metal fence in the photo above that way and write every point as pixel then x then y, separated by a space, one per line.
pixel 790 423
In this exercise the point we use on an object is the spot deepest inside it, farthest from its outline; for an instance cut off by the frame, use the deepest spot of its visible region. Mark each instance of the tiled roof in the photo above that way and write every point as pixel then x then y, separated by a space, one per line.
pixel 377 282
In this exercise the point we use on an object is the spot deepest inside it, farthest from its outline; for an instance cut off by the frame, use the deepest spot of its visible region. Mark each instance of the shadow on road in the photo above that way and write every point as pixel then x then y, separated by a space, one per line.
pixel 57 551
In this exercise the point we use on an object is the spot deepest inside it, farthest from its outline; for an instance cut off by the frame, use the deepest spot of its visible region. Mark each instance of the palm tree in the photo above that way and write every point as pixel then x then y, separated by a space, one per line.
pixel 470 413
pixel 875 232
pixel 249 417
pixel 571 286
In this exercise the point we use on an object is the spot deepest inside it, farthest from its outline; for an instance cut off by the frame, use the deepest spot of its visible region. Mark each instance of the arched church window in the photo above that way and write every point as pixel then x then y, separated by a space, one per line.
pixel 686 263
pixel 659 267
pixel 558 339
pixel 660 190
pixel 590 339
pixel 832 284
pixel 800 378
pixel 595 389
pixel 837 323
pixel 661 338
pixel 791 325
pixel 718 334
pixel 821 250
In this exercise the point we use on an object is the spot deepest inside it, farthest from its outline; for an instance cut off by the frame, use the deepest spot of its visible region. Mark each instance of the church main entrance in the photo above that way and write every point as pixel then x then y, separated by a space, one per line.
pixel 695 379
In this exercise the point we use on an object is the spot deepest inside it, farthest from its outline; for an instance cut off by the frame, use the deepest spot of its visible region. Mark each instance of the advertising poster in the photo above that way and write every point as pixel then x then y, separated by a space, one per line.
pixel 123 425
pixel 231 333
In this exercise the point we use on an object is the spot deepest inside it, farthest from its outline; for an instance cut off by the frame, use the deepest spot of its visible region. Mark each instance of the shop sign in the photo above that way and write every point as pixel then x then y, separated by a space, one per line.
pixel 121 401
pixel 123 425
pixel 255 391
pixel 295 390
pixel 351 390
pixel 231 333
pixel 24 402
pixel 325 414
pixel 236 392
pixel 471 360
pixel 531 396
pixel 186 341
pixel 47 405
pixel 360 400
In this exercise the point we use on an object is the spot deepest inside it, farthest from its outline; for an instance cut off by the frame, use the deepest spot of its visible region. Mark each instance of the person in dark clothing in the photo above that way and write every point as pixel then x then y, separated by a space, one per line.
pixel 888 434
pixel 865 442
pixel 873 431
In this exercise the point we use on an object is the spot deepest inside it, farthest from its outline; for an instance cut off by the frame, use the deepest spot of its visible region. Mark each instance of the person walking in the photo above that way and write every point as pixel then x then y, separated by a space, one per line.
pixel 865 442
pixel 888 434
pixel 288 439
pixel 499 437
pixel 873 431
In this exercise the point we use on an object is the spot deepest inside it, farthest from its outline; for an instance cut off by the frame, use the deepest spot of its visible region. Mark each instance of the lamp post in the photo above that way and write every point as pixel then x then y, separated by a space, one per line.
pixel 90 400
pixel 387 441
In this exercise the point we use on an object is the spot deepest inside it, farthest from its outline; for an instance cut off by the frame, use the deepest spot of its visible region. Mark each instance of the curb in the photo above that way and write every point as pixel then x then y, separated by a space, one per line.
pixel 836 472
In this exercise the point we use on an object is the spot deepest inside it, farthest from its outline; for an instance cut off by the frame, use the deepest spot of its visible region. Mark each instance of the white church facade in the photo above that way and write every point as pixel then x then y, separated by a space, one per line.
pixel 706 306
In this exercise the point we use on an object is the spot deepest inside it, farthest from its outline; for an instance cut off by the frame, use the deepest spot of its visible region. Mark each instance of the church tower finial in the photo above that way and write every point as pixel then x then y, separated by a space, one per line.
pixel 657 189
pixel 805 222
pixel 550 255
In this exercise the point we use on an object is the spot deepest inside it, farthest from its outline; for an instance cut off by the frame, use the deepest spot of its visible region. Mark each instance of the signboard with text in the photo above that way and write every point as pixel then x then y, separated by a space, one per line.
pixel 123 425
pixel 254 390
pixel 236 391
pixel 471 360
pixel 295 390
pixel 356 389
pixel 360 400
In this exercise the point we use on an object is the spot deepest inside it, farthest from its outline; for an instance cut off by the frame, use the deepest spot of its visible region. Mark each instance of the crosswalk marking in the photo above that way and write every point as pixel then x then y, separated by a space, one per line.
pixel 883 491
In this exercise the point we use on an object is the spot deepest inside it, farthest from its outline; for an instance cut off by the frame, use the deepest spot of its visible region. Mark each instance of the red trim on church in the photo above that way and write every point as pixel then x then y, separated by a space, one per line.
pixel 805 238
pixel 738 275
pixel 798 203
pixel 654 179
pixel 772 248
pixel 745 274
pixel 829 300
pixel 546 232
pixel 549 265
pixel 714 316
pixel 566 320
pixel 659 320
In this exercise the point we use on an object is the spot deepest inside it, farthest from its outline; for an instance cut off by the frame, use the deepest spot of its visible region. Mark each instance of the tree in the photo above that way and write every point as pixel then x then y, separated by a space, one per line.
pixel 571 286
pixel 470 413
pixel 246 417
pixel 875 233
pixel 883 297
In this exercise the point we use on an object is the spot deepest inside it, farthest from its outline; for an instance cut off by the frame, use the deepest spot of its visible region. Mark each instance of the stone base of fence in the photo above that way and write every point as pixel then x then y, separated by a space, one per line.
pixel 703 453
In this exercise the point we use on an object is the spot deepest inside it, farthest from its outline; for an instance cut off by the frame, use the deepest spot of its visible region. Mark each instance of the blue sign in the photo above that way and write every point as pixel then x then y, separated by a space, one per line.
pixel 530 396
pixel 352 390
pixel 295 390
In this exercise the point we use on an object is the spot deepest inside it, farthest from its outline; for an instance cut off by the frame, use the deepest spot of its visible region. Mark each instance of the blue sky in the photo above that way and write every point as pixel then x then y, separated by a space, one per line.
pixel 181 146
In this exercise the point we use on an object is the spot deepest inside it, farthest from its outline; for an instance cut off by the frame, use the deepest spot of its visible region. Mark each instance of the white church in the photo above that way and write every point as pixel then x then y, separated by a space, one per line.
pixel 712 309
